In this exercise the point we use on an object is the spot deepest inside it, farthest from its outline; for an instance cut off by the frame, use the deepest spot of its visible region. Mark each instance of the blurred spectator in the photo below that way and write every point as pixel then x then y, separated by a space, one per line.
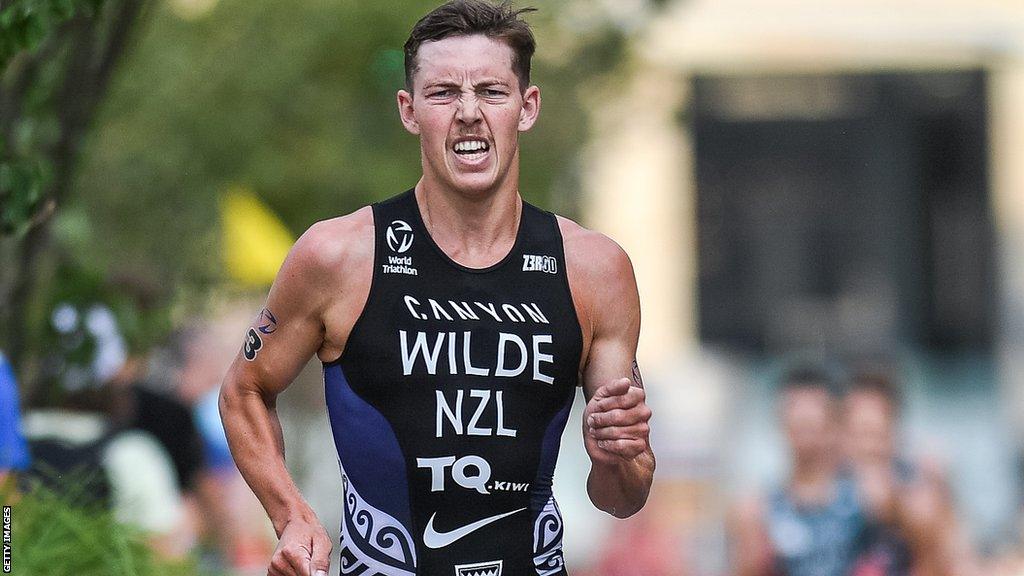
pixel 150 402
pixel 13 450
pixel 75 445
pixel 640 547
pixel 912 525
pixel 810 525
pixel 146 398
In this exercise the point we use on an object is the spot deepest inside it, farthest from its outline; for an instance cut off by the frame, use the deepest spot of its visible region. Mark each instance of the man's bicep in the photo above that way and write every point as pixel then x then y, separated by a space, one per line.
pixel 616 328
pixel 272 359
pixel 610 358
pixel 285 334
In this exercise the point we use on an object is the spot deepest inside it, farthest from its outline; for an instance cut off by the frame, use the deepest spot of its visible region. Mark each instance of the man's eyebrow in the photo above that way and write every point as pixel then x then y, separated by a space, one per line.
pixel 454 84
pixel 491 82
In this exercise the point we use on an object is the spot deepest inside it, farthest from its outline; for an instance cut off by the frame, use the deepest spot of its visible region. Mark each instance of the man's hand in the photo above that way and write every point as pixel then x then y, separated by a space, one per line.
pixel 304 550
pixel 616 418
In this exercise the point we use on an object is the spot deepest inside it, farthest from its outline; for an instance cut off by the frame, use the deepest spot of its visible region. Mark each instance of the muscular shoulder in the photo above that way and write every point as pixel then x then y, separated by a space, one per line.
pixel 591 254
pixel 332 246
pixel 600 275
pixel 329 260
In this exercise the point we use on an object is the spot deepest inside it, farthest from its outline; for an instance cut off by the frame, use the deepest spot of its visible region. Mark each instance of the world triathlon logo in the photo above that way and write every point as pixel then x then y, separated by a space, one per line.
pixel 399 236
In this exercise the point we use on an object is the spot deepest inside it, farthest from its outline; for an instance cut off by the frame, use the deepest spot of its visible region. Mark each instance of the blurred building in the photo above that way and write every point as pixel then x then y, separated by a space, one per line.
pixel 841 177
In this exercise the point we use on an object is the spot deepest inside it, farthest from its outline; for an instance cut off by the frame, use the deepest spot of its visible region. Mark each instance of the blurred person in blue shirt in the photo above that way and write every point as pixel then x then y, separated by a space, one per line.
pixel 13 449
pixel 811 524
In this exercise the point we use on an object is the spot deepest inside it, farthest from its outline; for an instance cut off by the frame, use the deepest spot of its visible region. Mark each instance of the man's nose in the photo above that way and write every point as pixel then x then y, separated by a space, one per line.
pixel 469 109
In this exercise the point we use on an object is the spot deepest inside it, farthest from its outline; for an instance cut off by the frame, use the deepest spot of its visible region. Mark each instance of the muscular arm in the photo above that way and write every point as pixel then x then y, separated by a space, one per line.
pixel 296 323
pixel 270 358
pixel 615 421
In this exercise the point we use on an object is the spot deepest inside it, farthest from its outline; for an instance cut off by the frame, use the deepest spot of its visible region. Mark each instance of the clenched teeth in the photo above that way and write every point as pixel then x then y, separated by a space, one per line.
pixel 471 145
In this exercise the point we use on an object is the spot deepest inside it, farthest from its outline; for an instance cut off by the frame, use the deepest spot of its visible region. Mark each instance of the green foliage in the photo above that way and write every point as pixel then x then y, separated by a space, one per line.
pixel 66 534
pixel 21 193
pixel 24 24
pixel 25 170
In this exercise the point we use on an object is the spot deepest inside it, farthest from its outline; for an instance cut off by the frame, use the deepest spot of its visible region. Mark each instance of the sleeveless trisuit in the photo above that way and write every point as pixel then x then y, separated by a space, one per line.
pixel 448 405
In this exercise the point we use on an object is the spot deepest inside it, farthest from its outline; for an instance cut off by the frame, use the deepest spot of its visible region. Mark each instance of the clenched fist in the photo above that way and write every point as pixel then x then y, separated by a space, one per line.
pixel 615 422
pixel 304 550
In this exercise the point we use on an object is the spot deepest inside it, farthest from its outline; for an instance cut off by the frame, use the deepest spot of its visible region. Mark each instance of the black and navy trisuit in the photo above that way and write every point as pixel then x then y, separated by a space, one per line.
pixel 449 402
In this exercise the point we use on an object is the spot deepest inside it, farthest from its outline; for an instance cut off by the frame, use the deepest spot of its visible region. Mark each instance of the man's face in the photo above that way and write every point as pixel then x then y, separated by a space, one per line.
pixel 808 418
pixel 870 427
pixel 468 110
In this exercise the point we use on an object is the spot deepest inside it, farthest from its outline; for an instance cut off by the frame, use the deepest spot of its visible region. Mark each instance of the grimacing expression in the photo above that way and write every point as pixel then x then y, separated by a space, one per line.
pixel 468 109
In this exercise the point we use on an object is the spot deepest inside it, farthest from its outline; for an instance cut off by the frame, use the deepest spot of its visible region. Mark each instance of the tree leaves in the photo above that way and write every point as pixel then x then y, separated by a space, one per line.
pixel 21 194
pixel 25 171
pixel 26 23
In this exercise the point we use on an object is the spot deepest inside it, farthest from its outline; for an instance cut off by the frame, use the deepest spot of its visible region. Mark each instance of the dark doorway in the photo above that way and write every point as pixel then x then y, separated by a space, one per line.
pixel 846 212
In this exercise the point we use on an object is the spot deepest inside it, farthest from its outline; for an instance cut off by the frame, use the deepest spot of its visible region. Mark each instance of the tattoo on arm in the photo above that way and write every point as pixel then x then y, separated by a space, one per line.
pixel 638 381
pixel 266 324
pixel 252 345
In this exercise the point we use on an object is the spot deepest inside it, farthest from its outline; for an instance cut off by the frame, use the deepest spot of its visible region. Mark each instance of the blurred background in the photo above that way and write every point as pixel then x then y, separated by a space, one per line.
pixel 835 182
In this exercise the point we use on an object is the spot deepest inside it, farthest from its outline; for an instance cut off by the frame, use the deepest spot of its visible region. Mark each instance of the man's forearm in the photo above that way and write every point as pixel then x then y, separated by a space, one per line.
pixel 257 445
pixel 621 489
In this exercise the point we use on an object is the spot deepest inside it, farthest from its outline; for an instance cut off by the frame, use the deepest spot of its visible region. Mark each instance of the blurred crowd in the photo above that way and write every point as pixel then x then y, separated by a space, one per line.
pixel 142 434
pixel 852 504
pixel 854 499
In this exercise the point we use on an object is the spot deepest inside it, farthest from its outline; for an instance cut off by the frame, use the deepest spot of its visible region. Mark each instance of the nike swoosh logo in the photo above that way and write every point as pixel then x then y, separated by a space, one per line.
pixel 434 539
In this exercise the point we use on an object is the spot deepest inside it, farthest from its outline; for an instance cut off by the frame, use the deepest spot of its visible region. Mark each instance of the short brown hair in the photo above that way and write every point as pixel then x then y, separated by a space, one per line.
pixel 878 381
pixel 467 17
pixel 808 376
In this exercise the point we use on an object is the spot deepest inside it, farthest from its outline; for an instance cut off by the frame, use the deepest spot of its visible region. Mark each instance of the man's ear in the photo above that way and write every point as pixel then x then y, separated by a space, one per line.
pixel 531 108
pixel 405 110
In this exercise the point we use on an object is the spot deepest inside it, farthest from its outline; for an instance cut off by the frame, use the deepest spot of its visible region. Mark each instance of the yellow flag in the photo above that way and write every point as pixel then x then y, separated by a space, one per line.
pixel 254 241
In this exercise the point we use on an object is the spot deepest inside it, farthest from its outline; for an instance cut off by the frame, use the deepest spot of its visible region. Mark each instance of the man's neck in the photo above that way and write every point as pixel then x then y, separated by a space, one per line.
pixel 475 231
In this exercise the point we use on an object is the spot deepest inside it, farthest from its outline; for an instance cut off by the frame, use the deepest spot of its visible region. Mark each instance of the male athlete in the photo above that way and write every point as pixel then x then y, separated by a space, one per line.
pixel 454 323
